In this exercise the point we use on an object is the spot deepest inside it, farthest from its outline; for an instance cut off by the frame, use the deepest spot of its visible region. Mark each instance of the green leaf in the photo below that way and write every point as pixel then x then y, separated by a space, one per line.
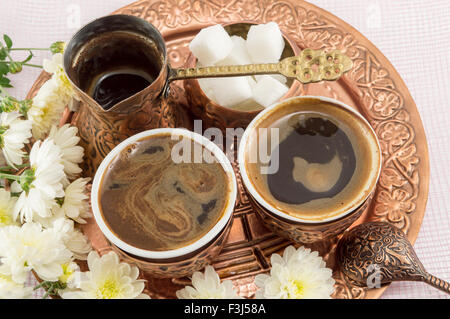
pixel 3 54
pixel 5 82
pixel 4 69
pixel 8 41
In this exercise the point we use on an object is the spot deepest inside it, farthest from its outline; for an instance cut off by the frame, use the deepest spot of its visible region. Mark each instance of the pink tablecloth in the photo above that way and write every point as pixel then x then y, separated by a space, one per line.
pixel 413 34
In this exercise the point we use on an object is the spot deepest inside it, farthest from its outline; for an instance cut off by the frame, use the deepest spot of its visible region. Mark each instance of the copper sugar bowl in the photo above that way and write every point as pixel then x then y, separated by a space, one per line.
pixel 216 115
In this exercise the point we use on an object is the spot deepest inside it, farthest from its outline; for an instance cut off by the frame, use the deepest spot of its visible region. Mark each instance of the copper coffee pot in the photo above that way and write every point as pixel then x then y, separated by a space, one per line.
pixel 130 42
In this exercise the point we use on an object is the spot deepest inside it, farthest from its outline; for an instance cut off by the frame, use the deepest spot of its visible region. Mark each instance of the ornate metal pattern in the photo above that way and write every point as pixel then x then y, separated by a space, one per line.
pixel 307 67
pixel 373 87
pixel 379 253
pixel 100 132
pixel 305 233
pixel 378 244
pixel 314 66
pixel 180 266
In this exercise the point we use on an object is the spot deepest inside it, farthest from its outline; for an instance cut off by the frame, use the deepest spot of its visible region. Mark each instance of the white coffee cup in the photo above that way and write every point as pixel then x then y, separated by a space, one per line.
pixel 199 244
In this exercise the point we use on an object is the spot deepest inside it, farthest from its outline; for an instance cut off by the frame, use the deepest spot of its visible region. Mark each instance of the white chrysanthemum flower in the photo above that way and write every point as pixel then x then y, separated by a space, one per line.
pixel 9 289
pixel 14 134
pixel 108 278
pixel 31 204
pixel 299 274
pixel 208 286
pixel 54 65
pixel 51 99
pixel 46 174
pixel 74 239
pixel 32 248
pixel 45 161
pixel 67 140
pixel 46 109
pixel 75 204
pixel 47 222
pixel 65 89
pixel 6 208
pixel 70 275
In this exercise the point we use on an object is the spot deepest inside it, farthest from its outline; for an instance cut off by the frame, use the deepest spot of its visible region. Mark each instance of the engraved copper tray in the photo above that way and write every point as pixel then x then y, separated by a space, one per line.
pixel 373 87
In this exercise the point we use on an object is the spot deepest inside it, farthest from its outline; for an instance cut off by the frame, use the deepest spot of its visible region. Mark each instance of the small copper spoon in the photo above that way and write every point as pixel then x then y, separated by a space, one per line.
pixel 307 67
pixel 380 251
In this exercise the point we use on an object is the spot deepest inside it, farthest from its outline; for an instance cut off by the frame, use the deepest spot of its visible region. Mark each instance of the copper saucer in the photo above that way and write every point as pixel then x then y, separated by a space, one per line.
pixel 373 87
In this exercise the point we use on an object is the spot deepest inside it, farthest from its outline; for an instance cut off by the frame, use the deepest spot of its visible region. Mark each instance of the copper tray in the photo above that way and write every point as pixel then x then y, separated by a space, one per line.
pixel 373 87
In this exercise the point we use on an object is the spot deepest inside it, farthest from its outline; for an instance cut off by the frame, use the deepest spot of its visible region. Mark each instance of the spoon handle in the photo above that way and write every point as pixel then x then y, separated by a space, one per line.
pixel 309 66
pixel 438 283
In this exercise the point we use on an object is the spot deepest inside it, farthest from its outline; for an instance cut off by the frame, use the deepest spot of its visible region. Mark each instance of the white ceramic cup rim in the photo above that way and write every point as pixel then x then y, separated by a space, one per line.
pixel 252 190
pixel 204 240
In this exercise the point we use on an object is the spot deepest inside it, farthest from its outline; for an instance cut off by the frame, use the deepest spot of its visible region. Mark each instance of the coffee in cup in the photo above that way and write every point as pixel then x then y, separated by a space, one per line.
pixel 153 203
pixel 155 198
pixel 323 160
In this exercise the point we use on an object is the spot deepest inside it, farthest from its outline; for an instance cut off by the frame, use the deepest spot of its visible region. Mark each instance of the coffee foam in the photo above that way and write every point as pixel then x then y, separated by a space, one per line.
pixel 364 143
pixel 152 203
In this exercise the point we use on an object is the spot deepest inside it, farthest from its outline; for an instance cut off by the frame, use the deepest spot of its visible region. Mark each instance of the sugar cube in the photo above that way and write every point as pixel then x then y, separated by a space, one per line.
pixel 230 91
pixel 268 90
pixel 238 54
pixel 265 43
pixel 209 85
pixel 206 86
pixel 251 81
pixel 211 45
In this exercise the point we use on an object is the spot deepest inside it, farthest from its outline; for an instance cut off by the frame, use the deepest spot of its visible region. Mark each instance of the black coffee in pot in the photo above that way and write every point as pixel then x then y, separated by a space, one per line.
pixel 116 86
pixel 114 66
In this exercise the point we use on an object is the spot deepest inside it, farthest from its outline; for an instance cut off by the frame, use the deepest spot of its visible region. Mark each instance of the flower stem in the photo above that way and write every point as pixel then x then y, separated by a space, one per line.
pixel 8 168
pixel 34 65
pixel 29 49
pixel 10 177
pixel 27 64
pixel 51 287
pixel 41 285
